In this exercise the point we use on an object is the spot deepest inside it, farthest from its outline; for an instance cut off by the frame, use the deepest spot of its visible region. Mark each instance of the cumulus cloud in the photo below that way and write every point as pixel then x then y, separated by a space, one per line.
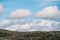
pixel 3 23
pixel 20 13
pixel 13 27
pixel 18 27
pixel 50 12
pixel 41 25
pixel 26 26
pixel 36 25
pixel 1 8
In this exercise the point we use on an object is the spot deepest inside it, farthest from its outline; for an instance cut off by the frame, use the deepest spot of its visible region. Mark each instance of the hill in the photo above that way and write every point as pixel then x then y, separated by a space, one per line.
pixel 34 35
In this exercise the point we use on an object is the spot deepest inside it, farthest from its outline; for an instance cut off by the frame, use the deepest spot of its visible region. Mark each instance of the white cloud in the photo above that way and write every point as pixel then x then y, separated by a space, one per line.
pixel 13 27
pixel 20 13
pixel 18 27
pixel 1 8
pixel 4 23
pixel 26 26
pixel 45 25
pixel 36 25
pixel 42 23
pixel 50 12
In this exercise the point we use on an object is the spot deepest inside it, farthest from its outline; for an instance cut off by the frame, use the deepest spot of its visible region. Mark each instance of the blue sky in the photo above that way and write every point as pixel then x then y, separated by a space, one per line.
pixel 33 5
pixel 27 11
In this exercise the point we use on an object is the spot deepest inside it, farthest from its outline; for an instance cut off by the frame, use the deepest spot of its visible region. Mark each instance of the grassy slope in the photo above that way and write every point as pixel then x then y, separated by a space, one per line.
pixel 37 35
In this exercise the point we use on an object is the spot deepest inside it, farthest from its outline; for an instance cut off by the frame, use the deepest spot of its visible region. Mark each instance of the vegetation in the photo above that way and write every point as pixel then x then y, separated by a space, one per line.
pixel 36 35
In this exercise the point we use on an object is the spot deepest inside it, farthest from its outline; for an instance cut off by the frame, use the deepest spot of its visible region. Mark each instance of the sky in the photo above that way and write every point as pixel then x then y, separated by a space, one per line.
pixel 30 15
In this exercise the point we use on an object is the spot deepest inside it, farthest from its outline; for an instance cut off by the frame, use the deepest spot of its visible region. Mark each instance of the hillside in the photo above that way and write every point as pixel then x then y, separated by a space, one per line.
pixel 36 35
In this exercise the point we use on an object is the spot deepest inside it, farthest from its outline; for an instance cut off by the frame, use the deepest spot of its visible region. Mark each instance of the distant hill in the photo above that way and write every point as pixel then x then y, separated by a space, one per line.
pixel 34 35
